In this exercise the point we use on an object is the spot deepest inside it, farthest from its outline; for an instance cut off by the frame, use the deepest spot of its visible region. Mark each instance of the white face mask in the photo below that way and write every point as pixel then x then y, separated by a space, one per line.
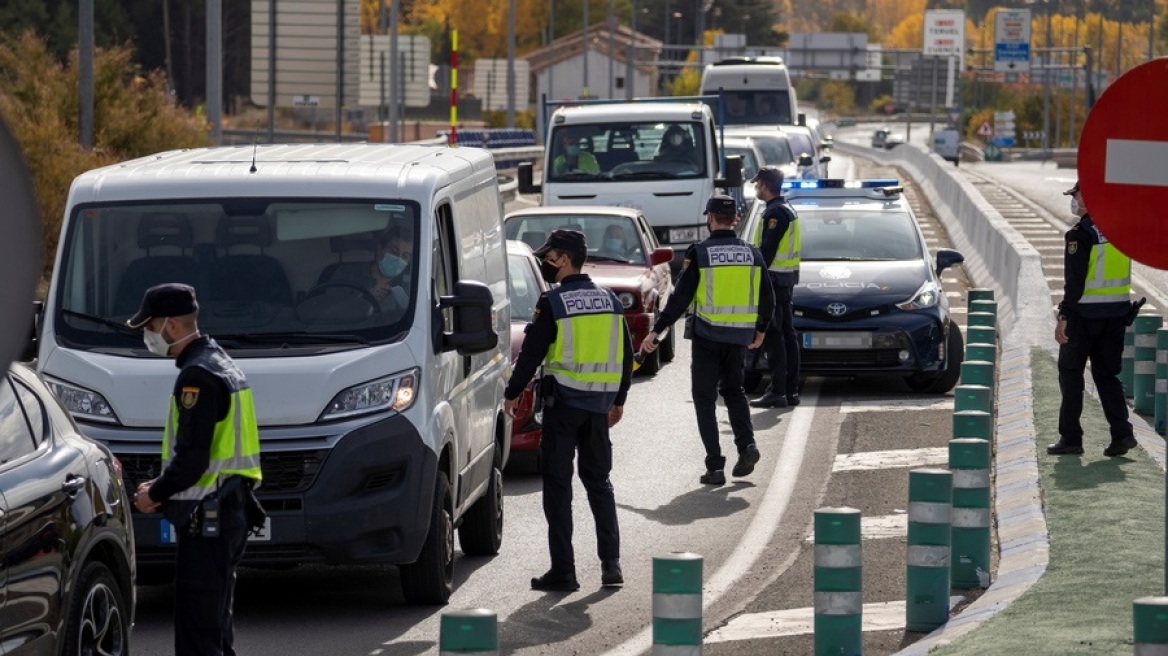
pixel 1076 207
pixel 157 344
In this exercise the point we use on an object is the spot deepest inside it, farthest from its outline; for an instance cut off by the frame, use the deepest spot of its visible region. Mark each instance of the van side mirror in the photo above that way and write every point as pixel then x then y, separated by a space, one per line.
pixel 661 256
pixel 527 179
pixel 733 173
pixel 946 258
pixel 474 330
pixel 30 348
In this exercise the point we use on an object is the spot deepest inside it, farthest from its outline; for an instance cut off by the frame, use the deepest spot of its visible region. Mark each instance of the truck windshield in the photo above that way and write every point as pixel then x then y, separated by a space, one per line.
pixel 267 272
pixel 754 106
pixel 627 151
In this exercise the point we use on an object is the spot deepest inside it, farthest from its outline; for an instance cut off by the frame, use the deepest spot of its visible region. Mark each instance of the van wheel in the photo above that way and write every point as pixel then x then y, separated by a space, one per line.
pixel 668 348
pixel 481 533
pixel 99 619
pixel 430 579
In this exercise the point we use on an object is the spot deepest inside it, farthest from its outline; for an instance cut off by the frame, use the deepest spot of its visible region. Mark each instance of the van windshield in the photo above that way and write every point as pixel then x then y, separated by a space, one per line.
pixel 753 106
pixel 267 272
pixel 627 151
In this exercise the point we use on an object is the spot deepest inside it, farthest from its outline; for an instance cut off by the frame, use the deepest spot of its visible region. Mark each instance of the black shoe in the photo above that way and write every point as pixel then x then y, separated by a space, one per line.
pixel 746 461
pixel 555 581
pixel 792 399
pixel 770 400
pixel 610 574
pixel 1121 447
pixel 713 477
pixel 1061 448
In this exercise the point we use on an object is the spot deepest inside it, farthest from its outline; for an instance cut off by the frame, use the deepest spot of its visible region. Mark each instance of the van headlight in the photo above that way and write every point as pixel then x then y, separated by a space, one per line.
pixel 396 393
pixel 83 404
pixel 924 298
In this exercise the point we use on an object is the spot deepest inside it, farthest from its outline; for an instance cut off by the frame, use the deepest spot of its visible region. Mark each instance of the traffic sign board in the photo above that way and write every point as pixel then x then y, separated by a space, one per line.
pixel 1122 152
pixel 986 130
pixel 1012 40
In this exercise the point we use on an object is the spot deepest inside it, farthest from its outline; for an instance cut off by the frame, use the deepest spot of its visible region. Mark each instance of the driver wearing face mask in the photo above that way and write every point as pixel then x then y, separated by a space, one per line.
pixel 615 242
pixel 389 275
pixel 571 158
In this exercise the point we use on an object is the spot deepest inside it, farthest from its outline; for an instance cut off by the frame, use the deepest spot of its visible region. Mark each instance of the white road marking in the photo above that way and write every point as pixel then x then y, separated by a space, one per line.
pixel 880 616
pixel 762 526
pixel 879 528
pixel 1136 162
pixel 897 406
pixel 870 460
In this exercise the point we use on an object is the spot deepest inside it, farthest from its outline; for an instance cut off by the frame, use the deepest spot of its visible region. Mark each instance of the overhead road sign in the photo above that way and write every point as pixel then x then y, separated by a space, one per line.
pixel 1122 155
pixel 1012 41
pixel 944 33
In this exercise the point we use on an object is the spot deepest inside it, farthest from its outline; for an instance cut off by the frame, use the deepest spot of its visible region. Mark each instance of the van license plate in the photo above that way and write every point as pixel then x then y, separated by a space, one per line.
pixel 837 340
pixel 687 235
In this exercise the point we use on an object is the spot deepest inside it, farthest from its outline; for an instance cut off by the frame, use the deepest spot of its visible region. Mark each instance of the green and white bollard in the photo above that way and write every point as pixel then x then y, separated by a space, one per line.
pixel 1161 415
pixel 469 632
pixel 969 460
pixel 1127 369
pixel 677 605
pixel 839 601
pixel 973 397
pixel 977 373
pixel 930 499
pixel 981 319
pixel 981 335
pixel 1144 377
pixel 1150 626
pixel 980 294
pixel 984 305
pixel 982 352
pixel 976 424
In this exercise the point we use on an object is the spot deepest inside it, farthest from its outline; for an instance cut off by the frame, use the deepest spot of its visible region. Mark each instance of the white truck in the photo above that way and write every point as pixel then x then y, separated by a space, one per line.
pixel 755 90
pixel 381 417
pixel 658 156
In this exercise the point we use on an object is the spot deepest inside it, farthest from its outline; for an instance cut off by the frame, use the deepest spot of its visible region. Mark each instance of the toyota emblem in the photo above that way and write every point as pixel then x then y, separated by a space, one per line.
pixel 837 309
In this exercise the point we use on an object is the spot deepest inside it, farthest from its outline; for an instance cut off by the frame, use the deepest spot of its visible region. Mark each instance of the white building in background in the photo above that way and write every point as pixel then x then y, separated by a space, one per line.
pixel 558 69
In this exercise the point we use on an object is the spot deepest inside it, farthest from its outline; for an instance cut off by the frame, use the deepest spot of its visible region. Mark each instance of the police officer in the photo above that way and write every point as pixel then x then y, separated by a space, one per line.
pixel 1092 318
pixel 578 331
pixel 210 459
pixel 725 280
pixel 779 244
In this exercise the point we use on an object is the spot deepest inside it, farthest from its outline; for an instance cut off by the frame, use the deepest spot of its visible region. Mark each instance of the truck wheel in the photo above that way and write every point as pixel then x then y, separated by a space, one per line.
pixel 99 619
pixel 668 348
pixel 481 533
pixel 430 579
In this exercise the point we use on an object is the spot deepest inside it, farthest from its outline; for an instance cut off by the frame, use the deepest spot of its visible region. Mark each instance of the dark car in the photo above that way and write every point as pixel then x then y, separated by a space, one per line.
pixel 67 575
pixel 525 285
pixel 623 255
pixel 869 298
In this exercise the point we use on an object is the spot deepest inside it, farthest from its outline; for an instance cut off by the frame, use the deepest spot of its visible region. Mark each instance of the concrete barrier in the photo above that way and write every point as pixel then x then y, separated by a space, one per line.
pixel 996 255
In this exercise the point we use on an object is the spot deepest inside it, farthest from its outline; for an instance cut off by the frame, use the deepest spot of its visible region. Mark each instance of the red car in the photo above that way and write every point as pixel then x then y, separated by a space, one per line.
pixel 623 255
pixel 525 286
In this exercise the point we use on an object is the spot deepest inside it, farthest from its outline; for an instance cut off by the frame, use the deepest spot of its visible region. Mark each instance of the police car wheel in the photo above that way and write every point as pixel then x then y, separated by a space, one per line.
pixel 430 579
pixel 99 618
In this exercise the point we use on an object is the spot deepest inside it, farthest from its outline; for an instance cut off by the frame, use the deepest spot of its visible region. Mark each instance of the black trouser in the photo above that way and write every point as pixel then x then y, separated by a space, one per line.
pixel 1101 341
pixel 782 345
pixel 565 431
pixel 717 369
pixel 204 623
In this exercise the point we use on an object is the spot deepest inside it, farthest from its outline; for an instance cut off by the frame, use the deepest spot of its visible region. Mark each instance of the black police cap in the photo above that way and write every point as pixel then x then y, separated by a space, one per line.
pixel 771 176
pixel 170 299
pixel 571 241
pixel 721 204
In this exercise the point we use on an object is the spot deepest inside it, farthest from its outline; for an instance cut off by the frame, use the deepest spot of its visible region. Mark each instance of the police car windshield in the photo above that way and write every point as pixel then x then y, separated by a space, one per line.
pixel 333 274
pixel 610 237
pixel 615 152
pixel 857 235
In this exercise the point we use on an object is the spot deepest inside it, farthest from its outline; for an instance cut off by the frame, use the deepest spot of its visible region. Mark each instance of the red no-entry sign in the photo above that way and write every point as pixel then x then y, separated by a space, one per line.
pixel 1123 163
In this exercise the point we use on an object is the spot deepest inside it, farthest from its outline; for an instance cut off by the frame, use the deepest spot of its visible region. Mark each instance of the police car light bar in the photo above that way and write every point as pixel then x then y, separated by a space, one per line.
pixel 840 187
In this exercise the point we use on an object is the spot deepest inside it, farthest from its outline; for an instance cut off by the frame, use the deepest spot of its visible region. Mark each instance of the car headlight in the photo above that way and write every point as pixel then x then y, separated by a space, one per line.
pixel 926 297
pixel 628 300
pixel 83 404
pixel 396 392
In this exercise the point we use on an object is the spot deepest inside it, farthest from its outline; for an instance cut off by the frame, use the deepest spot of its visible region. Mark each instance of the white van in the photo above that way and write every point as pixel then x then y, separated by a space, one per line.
pixel 627 157
pixel 755 90
pixel 380 411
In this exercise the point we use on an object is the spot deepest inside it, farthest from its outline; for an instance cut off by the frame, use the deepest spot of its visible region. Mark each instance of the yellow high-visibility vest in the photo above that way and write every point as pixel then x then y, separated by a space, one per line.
pixel 587 357
pixel 1108 274
pixel 726 301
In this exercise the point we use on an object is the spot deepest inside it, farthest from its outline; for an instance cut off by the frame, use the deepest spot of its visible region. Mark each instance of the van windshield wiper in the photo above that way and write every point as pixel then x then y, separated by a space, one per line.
pixel 282 338
pixel 102 321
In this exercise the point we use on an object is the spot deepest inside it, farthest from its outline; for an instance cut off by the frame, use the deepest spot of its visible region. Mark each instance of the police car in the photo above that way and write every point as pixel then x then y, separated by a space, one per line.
pixel 869 298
